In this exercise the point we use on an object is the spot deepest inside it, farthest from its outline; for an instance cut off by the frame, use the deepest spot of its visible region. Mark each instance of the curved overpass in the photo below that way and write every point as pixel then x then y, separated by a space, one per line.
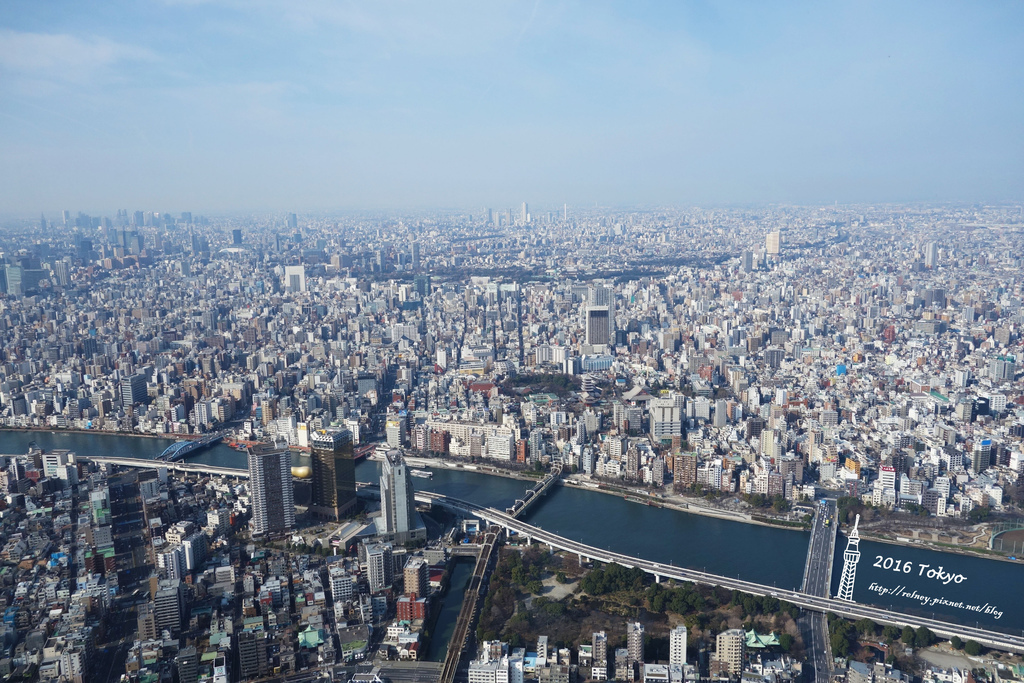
pixel 851 610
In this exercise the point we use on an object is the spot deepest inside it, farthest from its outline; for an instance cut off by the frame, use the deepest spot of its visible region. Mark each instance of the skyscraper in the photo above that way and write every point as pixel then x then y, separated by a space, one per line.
pixel 236 237
pixel 270 486
pixel 598 325
pixel 415 255
pixel 931 255
pixel 525 217
pixel 772 243
pixel 397 501
pixel 334 474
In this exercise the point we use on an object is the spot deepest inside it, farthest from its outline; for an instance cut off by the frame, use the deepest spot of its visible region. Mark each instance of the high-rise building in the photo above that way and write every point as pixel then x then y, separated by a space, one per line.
pixel 380 570
pixel 133 390
pixel 294 279
pixel 931 255
pixel 685 473
pixel 270 486
pixel 236 237
pixel 146 621
pixel 598 325
pixel 1002 368
pixel 524 217
pixel 773 243
pixel 252 654
pixel 334 474
pixel 677 645
pixel 748 262
pixel 187 663
pixel 293 221
pixel 635 642
pixel 416 255
pixel 417 577
pixel 666 419
pixel 981 455
pixel 397 501
pixel 62 273
pixel 729 649
pixel 599 642
pixel 169 605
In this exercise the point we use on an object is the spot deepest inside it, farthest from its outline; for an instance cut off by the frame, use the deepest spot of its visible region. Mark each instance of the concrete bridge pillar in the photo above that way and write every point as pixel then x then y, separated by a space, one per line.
pixel 657 578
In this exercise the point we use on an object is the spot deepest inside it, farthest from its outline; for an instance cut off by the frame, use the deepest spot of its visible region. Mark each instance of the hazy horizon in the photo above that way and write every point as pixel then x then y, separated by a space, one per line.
pixel 228 107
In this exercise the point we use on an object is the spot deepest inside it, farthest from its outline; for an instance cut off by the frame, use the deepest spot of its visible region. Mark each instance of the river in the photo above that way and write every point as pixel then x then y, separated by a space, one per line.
pixel 756 553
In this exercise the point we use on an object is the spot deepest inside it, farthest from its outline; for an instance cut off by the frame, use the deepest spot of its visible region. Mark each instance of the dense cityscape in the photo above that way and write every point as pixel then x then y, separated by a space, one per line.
pixel 839 372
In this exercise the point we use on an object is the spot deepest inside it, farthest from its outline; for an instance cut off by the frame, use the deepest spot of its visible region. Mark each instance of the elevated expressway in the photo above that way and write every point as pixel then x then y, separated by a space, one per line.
pixel 824 604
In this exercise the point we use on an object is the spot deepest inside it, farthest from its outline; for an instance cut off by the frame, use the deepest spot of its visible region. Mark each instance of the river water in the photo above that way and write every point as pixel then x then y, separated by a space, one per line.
pixel 766 555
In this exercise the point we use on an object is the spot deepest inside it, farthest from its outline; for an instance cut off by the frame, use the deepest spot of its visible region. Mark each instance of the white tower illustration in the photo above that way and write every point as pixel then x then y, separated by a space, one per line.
pixel 850 559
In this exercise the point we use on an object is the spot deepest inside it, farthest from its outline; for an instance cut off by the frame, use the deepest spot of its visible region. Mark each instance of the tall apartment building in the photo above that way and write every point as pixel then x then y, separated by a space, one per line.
pixel 270 487
pixel 252 654
pixel 380 568
pixel 635 642
pixel 729 649
pixel 677 645
pixel 599 642
pixel 417 577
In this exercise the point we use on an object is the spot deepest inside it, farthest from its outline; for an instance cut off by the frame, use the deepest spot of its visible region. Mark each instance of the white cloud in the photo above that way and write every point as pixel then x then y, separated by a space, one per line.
pixel 62 56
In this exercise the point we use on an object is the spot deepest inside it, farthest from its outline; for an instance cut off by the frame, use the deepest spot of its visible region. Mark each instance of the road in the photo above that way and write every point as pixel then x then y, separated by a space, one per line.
pixel 818 582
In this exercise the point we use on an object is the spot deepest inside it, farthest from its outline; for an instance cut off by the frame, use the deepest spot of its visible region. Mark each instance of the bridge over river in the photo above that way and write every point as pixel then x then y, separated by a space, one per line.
pixel 805 600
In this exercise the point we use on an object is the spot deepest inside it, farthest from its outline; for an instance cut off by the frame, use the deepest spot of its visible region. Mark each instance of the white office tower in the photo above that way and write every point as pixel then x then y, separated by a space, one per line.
pixel 772 243
pixel 677 645
pixel 931 255
pixel 850 559
pixel 524 218
pixel 398 504
pixel 294 279
pixel 666 419
pixel 270 488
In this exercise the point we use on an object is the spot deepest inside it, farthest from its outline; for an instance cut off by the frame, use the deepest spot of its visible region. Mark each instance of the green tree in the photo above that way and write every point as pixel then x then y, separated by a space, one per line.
pixel 840 644
pixel 923 637
pixel 890 633
pixel 907 636
pixel 786 642
pixel 972 647
pixel 866 626
pixel 956 642
pixel 979 514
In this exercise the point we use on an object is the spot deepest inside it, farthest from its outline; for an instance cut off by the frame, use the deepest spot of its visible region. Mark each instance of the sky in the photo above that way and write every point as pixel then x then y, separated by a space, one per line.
pixel 247 105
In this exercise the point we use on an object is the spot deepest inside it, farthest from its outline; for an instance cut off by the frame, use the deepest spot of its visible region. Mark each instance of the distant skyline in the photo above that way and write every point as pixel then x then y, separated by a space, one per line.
pixel 222 105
